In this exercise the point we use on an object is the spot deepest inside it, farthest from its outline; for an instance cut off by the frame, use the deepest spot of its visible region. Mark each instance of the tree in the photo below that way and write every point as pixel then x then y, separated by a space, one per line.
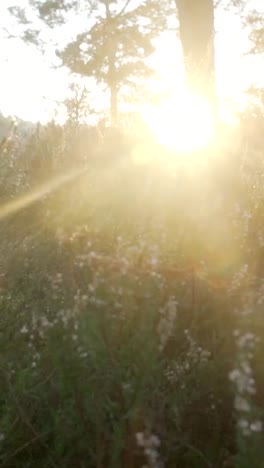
pixel 197 32
pixel 255 21
pixel 77 105
pixel 114 48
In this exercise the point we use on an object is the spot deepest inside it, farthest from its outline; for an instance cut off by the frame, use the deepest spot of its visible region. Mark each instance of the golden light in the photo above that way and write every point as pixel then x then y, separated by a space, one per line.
pixel 19 203
pixel 183 124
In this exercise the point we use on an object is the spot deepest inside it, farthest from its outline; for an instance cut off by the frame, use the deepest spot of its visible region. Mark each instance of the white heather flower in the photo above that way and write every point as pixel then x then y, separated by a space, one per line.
pixel 140 439
pixel 24 329
pixel 243 425
pixel 234 375
pixel 2 436
pixel 44 321
pixel 246 368
pixel 166 323
pixel 153 261
pixel 248 339
pixel 149 443
pixel 256 426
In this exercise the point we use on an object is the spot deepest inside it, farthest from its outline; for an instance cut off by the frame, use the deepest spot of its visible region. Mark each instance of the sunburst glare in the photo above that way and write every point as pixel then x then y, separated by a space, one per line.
pixel 183 124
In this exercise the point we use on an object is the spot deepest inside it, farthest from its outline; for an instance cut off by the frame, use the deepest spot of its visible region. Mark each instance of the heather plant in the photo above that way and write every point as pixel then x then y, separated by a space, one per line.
pixel 131 308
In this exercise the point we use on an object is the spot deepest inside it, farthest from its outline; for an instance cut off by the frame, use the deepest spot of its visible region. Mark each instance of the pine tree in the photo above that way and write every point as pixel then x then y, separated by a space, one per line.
pixel 114 47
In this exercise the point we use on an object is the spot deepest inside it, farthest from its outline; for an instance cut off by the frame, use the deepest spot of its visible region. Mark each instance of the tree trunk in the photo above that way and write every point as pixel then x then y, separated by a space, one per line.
pixel 197 33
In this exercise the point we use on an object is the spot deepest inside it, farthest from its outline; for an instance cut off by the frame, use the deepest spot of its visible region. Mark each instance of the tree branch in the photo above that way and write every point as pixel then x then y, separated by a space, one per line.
pixel 123 9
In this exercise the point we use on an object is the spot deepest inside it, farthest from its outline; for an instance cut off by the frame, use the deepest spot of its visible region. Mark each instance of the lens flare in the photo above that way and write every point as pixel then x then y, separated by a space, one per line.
pixel 184 124
pixel 31 197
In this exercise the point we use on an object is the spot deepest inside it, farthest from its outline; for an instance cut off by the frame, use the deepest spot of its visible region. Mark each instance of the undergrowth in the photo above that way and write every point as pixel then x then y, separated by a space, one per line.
pixel 131 306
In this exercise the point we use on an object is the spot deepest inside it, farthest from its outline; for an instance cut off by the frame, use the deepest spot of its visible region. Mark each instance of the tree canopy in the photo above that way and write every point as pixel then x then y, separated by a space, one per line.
pixel 114 44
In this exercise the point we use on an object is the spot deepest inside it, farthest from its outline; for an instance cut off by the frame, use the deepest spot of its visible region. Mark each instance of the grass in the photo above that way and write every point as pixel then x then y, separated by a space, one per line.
pixel 131 313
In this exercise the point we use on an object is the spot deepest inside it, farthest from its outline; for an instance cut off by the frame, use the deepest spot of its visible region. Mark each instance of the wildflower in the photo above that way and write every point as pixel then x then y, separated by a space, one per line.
pixel 153 261
pixel 149 443
pixel 166 323
pixel 256 426
pixel 243 424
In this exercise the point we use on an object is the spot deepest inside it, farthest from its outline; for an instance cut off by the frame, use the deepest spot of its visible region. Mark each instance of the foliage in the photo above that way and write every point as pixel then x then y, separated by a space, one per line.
pixel 77 104
pixel 112 46
pixel 256 23
pixel 131 295
pixel 131 306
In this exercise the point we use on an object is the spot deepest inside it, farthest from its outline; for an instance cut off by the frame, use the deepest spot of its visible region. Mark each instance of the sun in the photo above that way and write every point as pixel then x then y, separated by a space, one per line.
pixel 183 124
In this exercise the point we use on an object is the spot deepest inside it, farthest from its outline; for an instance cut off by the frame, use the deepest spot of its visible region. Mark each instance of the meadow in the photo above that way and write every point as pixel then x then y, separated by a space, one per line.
pixel 131 302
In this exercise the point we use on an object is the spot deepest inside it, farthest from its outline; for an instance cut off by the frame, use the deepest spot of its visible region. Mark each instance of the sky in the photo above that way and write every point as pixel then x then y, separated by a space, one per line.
pixel 30 88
